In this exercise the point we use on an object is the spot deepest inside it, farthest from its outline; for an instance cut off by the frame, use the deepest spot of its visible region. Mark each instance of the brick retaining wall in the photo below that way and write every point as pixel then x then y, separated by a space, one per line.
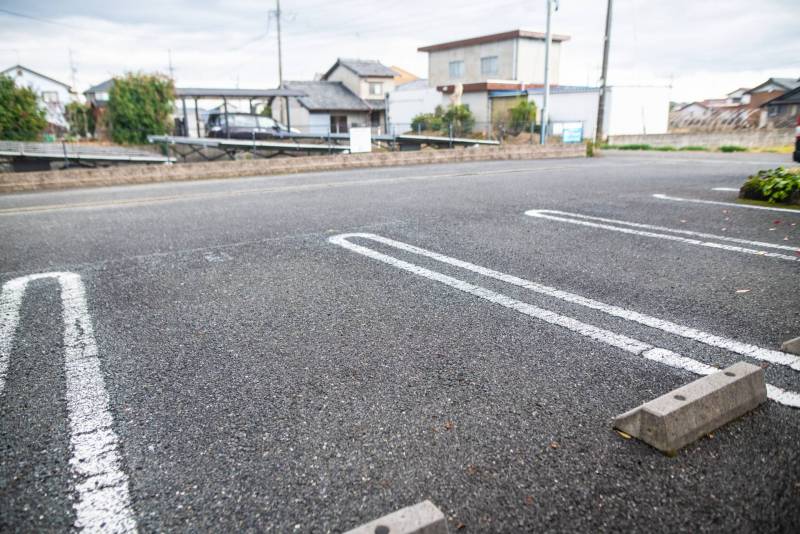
pixel 140 174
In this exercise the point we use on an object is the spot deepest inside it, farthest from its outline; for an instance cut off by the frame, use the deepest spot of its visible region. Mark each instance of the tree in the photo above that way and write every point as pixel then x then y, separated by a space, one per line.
pixel 523 115
pixel 78 116
pixel 21 117
pixel 460 117
pixel 140 105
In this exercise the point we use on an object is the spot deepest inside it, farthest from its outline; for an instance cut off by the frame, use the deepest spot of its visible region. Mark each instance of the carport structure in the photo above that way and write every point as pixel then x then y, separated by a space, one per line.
pixel 251 95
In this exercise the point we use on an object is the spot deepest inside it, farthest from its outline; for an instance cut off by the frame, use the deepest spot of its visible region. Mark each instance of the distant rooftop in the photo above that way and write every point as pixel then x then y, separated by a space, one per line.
pixel 362 67
pixel 326 96
pixel 495 37
pixel 16 68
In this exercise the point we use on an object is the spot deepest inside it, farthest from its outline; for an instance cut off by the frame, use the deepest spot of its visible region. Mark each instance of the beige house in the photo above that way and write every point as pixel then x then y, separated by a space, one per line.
pixel 516 55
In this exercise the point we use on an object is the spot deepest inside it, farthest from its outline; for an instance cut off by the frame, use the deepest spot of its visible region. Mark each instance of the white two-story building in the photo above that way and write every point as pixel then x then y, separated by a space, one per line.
pixel 53 95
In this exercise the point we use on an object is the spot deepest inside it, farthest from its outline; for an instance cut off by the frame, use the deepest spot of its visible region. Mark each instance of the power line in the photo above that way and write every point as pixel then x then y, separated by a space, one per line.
pixel 38 19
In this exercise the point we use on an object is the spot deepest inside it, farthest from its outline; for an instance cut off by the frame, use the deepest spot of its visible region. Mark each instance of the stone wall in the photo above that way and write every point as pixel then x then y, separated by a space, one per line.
pixel 745 138
pixel 140 174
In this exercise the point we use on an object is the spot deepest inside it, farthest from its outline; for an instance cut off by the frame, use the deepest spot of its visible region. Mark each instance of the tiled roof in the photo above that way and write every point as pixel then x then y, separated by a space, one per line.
pixel 363 67
pixel 327 96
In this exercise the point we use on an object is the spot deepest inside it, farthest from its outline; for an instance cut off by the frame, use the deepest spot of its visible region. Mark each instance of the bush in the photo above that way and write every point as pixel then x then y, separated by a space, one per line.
pixel 732 148
pixel 773 185
pixel 140 105
pixel 665 148
pixel 693 148
pixel 426 121
pixel 80 119
pixel 21 117
pixel 634 147
pixel 523 115
pixel 461 119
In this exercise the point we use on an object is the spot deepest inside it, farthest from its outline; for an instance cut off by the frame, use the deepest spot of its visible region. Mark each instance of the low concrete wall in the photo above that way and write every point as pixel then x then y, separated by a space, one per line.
pixel 140 174
pixel 747 138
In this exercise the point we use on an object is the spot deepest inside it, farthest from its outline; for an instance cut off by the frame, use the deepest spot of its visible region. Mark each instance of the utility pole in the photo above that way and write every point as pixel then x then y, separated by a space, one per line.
pixel 548 39
pixel 171 70
pixel 74 71
pixel 280 67
pixel 601 105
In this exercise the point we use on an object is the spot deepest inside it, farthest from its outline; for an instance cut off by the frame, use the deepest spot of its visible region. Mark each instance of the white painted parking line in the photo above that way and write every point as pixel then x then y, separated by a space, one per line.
pixel 662 196
pixel 731 189
pixel 103 501
pixel 620 341
pixel 615 225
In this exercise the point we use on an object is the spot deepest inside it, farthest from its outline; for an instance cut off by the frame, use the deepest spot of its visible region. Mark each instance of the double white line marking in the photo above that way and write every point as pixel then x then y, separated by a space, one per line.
pixel 662 196
pixel 672 234
pixel 628 344
pixel 103 503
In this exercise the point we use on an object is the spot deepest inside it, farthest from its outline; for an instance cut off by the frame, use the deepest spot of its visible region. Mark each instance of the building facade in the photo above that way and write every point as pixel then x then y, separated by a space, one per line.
pixel 53 95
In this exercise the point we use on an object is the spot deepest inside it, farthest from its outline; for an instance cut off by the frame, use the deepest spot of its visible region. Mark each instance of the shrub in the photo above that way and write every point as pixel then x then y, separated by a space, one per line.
pixel 732 148
pixel 461 119
pixel 140 105
pixel 634 147
pixel 523 115
pixel 693 148
pixel 80 119
pixel 21 117
pixel 665 148
pixel 426 121
pixel 773 185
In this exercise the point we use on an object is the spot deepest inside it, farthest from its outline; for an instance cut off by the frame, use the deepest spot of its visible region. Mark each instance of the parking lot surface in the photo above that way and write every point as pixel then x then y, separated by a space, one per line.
pixel 307 353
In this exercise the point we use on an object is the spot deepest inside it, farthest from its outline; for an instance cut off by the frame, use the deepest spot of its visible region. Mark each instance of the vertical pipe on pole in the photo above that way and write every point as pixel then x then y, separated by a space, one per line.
pixel 548 39
pixel 601 105
pixel 196 118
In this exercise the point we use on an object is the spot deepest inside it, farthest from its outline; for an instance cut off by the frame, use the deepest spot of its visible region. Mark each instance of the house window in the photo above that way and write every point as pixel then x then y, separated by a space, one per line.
pixel 50 97
pixel 375 89
pixel 489 65
pixel 456 69
pixel 339 124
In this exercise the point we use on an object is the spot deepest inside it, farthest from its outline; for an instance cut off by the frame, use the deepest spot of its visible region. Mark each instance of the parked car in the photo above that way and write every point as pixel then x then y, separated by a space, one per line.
pixel 797 141
pixel 244 126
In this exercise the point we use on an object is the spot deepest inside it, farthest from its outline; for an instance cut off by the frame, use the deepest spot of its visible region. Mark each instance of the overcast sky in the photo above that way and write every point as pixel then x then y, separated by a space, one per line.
pixel 702 49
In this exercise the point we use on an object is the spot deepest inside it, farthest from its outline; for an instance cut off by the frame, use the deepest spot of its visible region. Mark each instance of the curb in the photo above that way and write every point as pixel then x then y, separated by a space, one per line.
pixel 142 174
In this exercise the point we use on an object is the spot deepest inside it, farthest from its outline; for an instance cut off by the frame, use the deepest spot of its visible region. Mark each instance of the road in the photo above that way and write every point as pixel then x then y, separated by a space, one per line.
pixel 222 359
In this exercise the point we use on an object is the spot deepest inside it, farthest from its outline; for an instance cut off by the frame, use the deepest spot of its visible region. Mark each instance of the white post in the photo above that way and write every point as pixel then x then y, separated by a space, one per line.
pixel 548 38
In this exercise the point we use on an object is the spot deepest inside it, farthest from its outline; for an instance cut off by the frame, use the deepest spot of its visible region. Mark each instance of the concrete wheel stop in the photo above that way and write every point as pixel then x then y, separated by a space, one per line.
pixel 689 412
pixel 422 518
pixel 792 345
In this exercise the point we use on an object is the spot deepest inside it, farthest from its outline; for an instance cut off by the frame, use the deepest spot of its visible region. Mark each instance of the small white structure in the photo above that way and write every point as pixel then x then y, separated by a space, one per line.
pixel 360 140
pixel 411 99
pixel 53 95
pixel 629 109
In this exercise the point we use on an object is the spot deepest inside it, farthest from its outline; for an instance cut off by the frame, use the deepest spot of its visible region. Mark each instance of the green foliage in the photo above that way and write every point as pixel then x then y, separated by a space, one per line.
pixel 590 148
pixel 732 148
pixel 773 185
pixel 461 119
pixel 427 121
pixel 523 115
pixel 665 148
pixel 693 148
pixel 266 111
pixel 633 147
pixel 140 105
pixel 80 118
pixel 21 118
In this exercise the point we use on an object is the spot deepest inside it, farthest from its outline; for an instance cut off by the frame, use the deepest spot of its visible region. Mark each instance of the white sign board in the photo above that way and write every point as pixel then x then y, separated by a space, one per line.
pixel 360 140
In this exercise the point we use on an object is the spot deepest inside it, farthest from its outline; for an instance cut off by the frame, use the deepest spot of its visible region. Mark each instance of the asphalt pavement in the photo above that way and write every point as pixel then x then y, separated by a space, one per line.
pixel 259 374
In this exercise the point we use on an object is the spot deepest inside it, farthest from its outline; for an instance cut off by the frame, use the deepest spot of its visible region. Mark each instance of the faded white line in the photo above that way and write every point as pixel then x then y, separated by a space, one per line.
pixel 614 225
pixel 731 189
pixel 628 344
pixel 662 196
pixel 103 503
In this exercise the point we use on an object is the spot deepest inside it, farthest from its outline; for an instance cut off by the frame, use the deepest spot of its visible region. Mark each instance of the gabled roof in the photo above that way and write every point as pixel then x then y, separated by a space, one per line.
pixel 327 96
pixel 362 67
pixel 786 83
pixel 789 97
pixel 39 74
pixel 495 37
pixel 102 87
